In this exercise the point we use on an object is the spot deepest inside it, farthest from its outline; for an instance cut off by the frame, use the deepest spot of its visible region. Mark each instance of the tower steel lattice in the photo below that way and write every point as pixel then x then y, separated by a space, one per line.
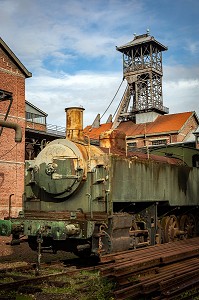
pixel 142 68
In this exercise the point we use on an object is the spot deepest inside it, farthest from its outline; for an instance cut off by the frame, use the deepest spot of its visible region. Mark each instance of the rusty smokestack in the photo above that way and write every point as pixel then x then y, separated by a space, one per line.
pixel 74 123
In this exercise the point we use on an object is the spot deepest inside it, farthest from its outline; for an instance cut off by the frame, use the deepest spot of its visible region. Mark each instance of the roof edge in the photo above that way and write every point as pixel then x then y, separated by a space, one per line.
pixel 17 61
pixel 153 134
pixel 35 107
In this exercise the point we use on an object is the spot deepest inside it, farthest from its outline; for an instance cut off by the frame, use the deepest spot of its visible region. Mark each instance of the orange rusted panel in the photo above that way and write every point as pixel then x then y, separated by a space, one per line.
pixel 113 139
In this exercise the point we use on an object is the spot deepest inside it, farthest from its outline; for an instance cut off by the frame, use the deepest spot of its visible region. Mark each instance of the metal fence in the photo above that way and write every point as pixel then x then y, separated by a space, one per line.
pixel 58 130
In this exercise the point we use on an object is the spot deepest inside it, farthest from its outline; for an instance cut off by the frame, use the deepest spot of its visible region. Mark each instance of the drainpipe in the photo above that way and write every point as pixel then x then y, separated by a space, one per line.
pixel 9 205
pixel 16 127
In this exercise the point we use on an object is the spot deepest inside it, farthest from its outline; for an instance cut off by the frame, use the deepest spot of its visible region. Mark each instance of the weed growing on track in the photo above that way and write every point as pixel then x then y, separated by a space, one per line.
pixel 84 285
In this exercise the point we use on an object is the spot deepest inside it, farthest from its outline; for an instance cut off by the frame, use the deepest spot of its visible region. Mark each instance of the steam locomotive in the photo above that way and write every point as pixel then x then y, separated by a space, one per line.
pixel 97 200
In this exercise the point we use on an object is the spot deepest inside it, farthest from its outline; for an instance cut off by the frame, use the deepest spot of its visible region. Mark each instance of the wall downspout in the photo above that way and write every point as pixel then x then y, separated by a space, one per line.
pixel 16 127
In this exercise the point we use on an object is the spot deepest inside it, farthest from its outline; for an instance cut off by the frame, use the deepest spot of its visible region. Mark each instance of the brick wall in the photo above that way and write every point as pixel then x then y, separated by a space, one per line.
pixel 190 126
pixel 36 126
pixel 148 141
pixel 11 153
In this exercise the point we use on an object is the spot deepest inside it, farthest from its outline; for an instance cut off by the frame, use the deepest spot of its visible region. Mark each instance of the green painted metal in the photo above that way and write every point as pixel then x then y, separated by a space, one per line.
pixel 184 153
pixel 72 192
pixel 57 230
pixel 147 181
pixel 5 227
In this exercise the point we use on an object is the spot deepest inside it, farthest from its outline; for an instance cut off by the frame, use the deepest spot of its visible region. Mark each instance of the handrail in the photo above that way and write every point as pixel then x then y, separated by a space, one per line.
pixel 55 129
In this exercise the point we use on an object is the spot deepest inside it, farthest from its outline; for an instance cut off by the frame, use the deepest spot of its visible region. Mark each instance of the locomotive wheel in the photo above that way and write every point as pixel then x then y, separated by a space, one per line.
pixel 170 229
pixel 188 225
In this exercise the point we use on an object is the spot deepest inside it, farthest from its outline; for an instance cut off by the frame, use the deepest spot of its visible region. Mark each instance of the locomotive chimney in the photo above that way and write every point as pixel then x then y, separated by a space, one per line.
pixel 74 123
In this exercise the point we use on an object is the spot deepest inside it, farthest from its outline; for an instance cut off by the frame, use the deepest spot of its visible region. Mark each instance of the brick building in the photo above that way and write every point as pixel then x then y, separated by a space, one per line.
pixel 38 132
pixel 196 133
pixel 12 109
pixel 141 115
pixel 163 130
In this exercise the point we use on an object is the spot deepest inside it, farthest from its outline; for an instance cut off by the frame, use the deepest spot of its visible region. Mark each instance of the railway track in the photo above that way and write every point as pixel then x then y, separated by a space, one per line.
pixel 163 271
pixel 56 280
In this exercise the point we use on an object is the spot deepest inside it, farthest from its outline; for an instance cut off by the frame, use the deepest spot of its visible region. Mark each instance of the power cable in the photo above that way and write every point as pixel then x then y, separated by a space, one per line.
pixel 113 98
pixel 8 151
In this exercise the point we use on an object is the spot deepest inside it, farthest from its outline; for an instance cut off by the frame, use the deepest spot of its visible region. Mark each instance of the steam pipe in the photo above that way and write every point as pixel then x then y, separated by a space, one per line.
pixel 16 127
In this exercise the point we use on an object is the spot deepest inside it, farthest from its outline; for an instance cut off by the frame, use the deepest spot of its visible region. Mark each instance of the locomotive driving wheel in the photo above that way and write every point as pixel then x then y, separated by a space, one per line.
pixel 170 228
pixel 188 225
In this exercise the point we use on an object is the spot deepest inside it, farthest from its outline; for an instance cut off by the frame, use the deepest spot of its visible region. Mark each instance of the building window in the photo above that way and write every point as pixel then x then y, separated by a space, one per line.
pixel 132 145
pixel 34 118
pixel 159 142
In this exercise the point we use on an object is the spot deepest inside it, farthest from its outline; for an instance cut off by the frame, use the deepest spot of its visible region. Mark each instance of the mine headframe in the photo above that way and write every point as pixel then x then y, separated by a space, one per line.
pixel 142 69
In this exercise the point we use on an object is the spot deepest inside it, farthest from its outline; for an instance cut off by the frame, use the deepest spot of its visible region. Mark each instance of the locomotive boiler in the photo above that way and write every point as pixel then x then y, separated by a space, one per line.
pixel 90 199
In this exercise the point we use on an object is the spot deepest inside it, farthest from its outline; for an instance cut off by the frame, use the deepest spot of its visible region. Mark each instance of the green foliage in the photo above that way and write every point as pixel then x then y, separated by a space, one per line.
pixel 24 297
pixel 81 286
pixel 192 294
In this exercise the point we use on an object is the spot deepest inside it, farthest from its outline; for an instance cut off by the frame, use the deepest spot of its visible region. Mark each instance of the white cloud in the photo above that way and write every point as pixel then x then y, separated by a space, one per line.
pixel 55 40
pixel 181 88
pixel 91 90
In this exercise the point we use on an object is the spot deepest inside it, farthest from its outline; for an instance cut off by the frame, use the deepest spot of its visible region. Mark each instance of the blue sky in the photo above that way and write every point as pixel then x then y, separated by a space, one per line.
pixel 69 46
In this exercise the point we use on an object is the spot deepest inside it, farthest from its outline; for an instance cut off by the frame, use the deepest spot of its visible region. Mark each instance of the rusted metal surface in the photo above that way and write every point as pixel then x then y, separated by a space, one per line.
pixel 63 215
pixel 146 181
pixel 166 269
pixel 187 154
pixel 74 123
pixel 114 139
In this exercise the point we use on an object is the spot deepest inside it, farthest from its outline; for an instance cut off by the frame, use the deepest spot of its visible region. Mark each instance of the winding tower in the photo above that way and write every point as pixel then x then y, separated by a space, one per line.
pixel 142 69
